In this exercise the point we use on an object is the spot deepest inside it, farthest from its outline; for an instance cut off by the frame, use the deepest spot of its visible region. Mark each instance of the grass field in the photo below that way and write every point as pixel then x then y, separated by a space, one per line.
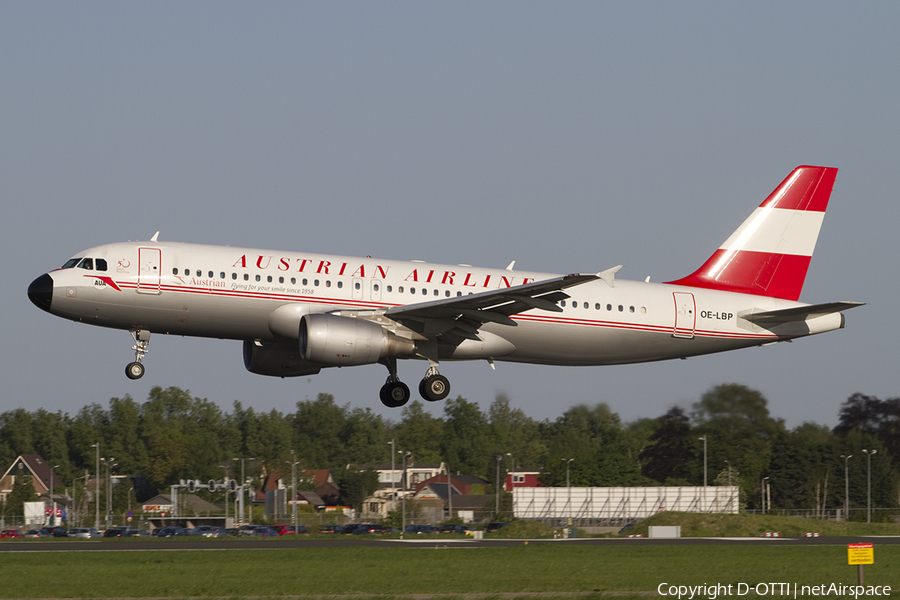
pixel 557 569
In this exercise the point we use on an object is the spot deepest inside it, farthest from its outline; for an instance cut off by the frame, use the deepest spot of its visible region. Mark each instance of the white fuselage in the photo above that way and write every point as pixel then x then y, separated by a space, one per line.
pixel 236 293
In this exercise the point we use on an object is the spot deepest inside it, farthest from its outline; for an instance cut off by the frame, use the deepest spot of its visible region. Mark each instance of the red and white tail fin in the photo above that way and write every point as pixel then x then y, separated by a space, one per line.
pixel 769 253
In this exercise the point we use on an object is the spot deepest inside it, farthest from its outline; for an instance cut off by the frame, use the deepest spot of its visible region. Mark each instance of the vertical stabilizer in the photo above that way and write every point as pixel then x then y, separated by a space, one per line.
pixel 769 253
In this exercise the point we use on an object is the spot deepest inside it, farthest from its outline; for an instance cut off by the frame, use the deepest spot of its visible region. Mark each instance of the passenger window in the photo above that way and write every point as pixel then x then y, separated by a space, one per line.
pixel 327 283
pixel 199 273
pixel 340 284
pixel 447 293
pixel 356 285
pixel 234 275
pixel 281 280
pixel 293 280
pixel 246 277
pixel 412 290
pixel 258 277
pixel 390 288
pixel 609 307
pixel 211 274
pixel 563 303
pixel 400 289
pixel 222 275
pixel 621 308
pixel 175 271
pixel 187 271
pixel 376 287
pixel 87 264
pixel 316 283
pixel 305 282
pixel 269 279
pixel 630 309
pixel 101 264
pixel 597 306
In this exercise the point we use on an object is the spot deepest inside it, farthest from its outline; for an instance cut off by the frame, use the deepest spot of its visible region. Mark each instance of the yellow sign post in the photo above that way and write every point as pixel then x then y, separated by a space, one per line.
pixel 860 554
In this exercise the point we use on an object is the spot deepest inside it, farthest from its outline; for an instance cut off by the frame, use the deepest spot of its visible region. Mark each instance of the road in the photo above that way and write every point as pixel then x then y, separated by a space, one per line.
pixel 133 544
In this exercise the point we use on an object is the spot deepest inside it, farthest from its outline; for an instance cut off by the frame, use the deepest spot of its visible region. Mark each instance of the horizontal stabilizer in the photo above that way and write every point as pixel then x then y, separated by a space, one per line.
pixel 798 313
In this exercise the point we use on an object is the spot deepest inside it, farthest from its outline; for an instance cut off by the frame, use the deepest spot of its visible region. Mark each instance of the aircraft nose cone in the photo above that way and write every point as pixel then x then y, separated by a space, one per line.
pixel 40 292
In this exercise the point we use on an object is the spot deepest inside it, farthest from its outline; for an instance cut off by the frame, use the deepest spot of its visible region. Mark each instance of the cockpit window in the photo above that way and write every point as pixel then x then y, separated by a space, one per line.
pixel 71 263
pixel 100 263
pixel 86 263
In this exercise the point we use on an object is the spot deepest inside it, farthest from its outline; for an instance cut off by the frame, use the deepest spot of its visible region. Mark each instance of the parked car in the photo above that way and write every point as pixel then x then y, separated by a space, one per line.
pixel 207 531
pixel 421 529
pixel 290 529
pixel 170 532
pixel 364 528
pixel 84 533
pixel 11 534
pixel 350 528
pixel 256 530
pixel 453 528
pixel 122 532
pixel 36 533
pixel 495 526
pixel 55 531
pixel 331 529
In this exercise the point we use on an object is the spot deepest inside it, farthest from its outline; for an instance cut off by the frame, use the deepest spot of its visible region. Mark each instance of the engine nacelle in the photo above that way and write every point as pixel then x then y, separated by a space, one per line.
pixel 277 359
pixel 346 341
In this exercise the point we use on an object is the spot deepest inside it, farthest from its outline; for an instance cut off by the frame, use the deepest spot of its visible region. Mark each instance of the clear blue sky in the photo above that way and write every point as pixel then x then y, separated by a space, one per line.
pixel 568 136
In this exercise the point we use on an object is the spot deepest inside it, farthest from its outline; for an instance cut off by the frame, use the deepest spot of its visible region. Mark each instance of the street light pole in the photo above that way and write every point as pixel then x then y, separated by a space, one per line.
pixel 568 487
pixel 869 454
pixel 293 464
pixel 243 483
pixel 704 459
pixel 764 482
pixel 393 493
pixel 52 499
pixel 97 487
pixel 846 487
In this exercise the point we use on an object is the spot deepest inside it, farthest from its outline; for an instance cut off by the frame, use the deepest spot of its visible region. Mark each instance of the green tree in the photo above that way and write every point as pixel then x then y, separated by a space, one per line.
pixel 420 434
pixel 466 444
pixel 670 452
pixel 594 438
pixel 736 423
pixel 23 491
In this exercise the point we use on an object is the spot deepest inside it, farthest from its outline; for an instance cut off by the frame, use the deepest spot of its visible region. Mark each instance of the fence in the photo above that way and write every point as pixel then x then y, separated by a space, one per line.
pixel 597 506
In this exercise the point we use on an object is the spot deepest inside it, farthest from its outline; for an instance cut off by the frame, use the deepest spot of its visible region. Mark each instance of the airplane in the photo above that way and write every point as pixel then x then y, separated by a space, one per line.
pixel 298 313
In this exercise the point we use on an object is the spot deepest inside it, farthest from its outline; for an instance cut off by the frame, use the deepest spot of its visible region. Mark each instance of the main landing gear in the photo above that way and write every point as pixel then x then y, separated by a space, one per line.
pixel 394 393
pixel 135 370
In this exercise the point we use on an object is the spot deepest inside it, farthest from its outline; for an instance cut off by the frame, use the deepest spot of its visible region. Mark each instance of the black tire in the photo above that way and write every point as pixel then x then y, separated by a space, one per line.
pixel 394 394
pixel 434 388
pixel 134 370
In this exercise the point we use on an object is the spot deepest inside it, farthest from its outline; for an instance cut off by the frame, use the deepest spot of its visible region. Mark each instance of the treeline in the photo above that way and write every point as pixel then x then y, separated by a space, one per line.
pixel 174 436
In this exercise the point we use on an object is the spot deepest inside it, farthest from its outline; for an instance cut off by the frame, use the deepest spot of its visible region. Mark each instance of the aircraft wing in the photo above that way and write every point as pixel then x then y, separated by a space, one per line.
pixel 798 313
pixel 464 315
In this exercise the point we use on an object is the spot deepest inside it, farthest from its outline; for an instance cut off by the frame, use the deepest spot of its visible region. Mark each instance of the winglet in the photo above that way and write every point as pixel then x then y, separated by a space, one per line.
pixel 155 237
pixel 609 275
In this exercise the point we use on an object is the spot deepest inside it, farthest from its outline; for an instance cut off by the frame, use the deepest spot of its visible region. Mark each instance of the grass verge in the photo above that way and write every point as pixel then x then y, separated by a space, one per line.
pixel 556 569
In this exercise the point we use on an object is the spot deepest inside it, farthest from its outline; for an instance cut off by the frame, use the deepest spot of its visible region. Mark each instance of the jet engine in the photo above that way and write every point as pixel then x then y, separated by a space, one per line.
pixel 345 341
pixel 276 359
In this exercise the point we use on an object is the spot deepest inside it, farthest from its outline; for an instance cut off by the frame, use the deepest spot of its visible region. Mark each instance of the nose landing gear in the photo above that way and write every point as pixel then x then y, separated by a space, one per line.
pixel 135 370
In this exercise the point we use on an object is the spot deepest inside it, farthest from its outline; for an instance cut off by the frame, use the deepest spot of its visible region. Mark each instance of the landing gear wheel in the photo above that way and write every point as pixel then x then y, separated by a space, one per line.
pixel 394 394
pixel 434 388
pixel 134 370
